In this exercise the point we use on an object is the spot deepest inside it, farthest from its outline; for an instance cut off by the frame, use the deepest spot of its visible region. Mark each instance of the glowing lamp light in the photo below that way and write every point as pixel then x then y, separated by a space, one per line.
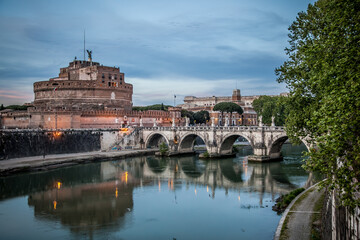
pixel 116 193
pixel 124 177
pixel 58 185
pixel 56 134
pixel 54 203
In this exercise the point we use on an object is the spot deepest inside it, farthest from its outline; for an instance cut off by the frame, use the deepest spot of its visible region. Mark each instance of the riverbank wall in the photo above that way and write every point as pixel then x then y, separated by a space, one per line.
pixel 339 222
pixel 24 143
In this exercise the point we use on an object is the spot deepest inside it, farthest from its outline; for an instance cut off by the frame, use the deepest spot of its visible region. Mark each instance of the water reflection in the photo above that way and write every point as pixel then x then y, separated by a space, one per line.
pixel 100 196
pixel 85 207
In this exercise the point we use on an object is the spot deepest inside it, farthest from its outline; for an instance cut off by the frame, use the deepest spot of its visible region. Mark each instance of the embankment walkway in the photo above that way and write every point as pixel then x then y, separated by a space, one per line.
pixel 296 222
pixel 40 163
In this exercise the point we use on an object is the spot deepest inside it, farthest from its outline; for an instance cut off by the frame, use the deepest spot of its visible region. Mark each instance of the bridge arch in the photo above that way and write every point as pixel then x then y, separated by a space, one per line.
pixel 191 167
pixel 156 165
pixel 226 145
pixel 154 139
pixel 231 171
pixel 275 147
pixel 187 142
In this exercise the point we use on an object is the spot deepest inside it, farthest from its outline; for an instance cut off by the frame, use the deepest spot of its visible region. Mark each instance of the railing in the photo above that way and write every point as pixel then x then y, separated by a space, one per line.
pixel 220 128
pixel 159 128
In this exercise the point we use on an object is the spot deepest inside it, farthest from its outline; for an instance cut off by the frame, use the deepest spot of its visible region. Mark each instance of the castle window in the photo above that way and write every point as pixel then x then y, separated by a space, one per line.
pixel 109 83
pixel 121 77
pixel 120 82
pixel 109 76
pixel 103 76
pixel 103 81
pixel 115 76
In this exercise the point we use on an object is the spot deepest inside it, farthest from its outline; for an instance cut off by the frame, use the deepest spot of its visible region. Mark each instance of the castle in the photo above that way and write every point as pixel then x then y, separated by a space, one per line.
pixel 86 95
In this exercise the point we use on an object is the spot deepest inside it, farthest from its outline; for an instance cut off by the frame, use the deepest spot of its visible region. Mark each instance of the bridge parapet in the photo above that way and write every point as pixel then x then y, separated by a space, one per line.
pixel 209 128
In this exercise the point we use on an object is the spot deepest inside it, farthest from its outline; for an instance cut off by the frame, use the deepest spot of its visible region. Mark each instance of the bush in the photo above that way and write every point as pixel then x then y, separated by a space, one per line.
pixel 163 148
pixel 283 201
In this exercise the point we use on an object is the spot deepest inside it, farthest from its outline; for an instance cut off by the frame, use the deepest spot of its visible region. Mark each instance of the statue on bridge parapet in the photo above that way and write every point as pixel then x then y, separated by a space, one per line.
pixel 173 122
pixel 212 122
pixel 155 125
pixel 186 121
pixel 273 121
pixel 141 123
pixel 226 121
pixel 260 121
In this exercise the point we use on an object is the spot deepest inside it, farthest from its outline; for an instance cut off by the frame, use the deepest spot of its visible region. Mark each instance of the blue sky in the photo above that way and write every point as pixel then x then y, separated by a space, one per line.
pixel 199 48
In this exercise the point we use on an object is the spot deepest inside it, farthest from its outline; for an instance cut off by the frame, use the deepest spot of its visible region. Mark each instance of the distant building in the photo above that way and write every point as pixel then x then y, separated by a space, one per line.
pixel 85 95
pixel 249 116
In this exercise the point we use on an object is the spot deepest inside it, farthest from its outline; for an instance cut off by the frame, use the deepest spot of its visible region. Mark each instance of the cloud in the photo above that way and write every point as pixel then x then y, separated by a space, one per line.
pixel 154 42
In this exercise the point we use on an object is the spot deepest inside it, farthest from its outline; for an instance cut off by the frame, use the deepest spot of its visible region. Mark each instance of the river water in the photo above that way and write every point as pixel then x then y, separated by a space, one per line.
pixel 151 198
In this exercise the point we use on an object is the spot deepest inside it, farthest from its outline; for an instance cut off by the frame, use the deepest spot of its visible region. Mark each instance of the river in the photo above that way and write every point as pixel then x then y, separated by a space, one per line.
pixel 151 198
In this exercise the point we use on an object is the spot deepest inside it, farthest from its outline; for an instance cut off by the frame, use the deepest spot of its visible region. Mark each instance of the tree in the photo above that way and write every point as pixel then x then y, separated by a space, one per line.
pixel 151 107
pixel 163 148
pixel 2 107
pixel 268 106
pixel 18 107
pixel 188 114
pixel 201 116
pixel 228 107
pixel 323 75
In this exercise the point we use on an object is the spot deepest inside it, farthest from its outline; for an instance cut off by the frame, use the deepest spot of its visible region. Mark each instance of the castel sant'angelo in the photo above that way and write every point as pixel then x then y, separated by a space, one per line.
pixel 85 95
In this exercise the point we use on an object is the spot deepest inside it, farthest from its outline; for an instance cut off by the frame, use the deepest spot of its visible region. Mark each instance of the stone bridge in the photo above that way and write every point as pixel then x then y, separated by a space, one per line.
pixel 265 141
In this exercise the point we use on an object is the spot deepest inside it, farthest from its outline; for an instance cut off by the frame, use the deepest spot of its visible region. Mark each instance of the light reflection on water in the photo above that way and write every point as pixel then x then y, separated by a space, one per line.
pixel 150 198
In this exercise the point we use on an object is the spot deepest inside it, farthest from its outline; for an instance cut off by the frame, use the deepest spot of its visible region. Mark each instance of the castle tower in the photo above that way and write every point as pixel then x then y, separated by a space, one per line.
pixel 236 97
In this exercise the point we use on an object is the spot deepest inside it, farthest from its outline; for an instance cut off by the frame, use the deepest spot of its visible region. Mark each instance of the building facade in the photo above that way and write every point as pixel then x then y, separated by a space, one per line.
pixel 249 116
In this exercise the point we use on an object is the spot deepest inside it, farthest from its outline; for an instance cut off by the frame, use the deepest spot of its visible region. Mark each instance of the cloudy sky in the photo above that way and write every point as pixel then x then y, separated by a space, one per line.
pixel 164 47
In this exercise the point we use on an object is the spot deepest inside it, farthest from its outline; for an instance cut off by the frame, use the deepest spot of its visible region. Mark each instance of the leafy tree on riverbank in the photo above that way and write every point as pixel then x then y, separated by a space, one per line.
pixel 323 75
pixel 268 106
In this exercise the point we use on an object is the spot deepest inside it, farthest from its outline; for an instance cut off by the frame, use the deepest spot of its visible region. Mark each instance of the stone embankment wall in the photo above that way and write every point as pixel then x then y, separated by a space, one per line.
pixel 339 222
pixel 24 143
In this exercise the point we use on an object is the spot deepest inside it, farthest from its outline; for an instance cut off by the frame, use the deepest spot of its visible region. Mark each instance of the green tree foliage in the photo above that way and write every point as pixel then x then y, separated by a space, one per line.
pixel 197 117
pixel 17 107
pixel 323 75
pixel 201 117
pixel 163 148
pixel 2 107
pixel 268 106
pixel 188 114
pixel 152 107
pixel 229 107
